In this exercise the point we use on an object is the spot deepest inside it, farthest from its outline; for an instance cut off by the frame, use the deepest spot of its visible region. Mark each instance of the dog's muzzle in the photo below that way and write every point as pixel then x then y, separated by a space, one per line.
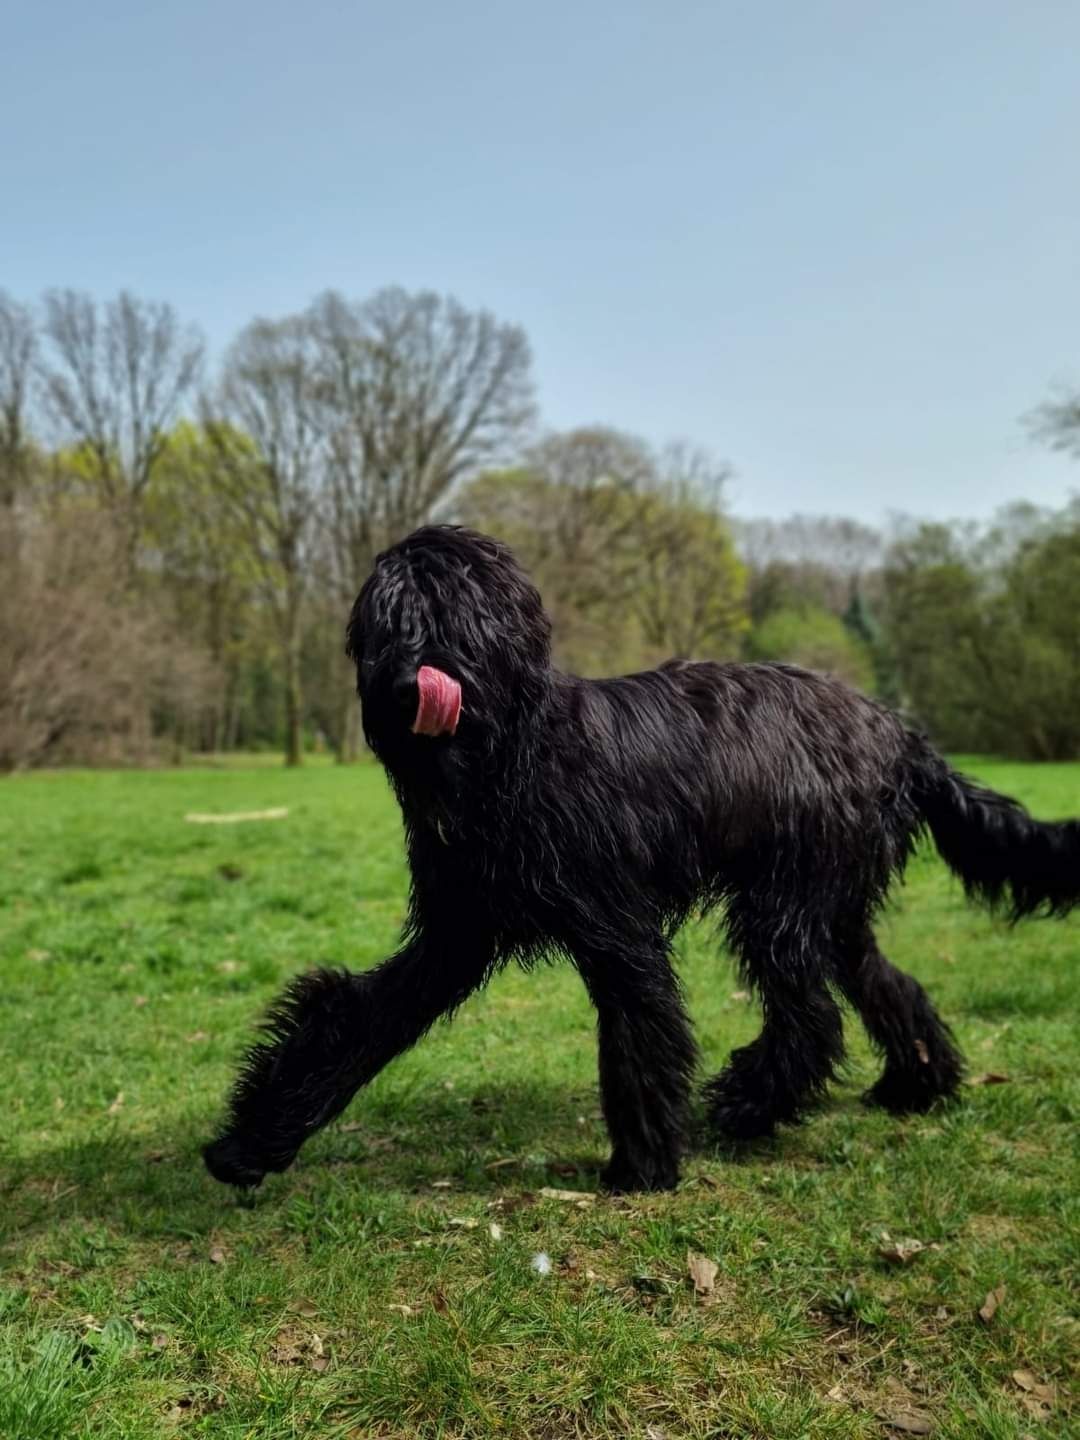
pixel 439 708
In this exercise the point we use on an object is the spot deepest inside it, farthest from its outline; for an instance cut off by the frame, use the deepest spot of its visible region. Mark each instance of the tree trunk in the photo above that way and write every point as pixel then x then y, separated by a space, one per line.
pixel 294 700
pixel 349 750
pixel 293 710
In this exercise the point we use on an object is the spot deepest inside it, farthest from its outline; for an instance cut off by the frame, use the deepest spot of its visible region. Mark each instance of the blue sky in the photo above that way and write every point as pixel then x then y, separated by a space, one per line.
pixel 839 243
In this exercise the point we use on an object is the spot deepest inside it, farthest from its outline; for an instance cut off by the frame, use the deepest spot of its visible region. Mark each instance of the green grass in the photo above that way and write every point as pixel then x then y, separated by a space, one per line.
pixel 139 1299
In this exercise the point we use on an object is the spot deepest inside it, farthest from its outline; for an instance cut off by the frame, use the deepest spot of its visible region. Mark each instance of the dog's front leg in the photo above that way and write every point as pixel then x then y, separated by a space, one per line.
pixel 328 1034
pixel 646 1064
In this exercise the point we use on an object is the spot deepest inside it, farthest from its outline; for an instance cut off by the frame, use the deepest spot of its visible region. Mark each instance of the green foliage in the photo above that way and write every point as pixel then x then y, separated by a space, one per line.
pixel 988 654
pixel 139 1300
pixel 814 639
pixel 631 550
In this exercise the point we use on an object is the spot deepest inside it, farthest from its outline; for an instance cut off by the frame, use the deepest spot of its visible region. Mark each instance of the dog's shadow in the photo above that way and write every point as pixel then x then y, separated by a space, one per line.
pixel 511 1140
pixel 154 1186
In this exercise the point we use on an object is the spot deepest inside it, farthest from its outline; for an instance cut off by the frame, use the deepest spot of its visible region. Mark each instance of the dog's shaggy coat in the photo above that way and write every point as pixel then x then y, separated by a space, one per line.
pixel 590 818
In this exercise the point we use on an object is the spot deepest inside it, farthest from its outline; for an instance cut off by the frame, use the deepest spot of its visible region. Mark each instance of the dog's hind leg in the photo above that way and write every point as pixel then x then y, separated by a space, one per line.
pixel 330 1033
pixel 921 1062
pixel 646 1063
pixel 787 1068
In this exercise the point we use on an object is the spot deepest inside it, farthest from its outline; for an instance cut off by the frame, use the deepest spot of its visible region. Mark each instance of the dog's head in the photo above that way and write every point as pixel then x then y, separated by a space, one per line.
pixel 449 638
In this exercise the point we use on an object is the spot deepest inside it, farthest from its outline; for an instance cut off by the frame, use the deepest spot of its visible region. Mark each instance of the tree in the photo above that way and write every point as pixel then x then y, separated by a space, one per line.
pixel 630 549
pixel 114 381
pixel 814 639
pixel 18 347
pixel 862 625
pixel 985 639
pixel 690 595
pixel 205 565
pixel 1056 422
pixel 266 427
pixel 932 616
pixel 417 393
pixel 86 672
pixel 810 560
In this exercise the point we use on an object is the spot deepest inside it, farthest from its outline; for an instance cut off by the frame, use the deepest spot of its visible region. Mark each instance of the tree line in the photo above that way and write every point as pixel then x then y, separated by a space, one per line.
pixel 180 543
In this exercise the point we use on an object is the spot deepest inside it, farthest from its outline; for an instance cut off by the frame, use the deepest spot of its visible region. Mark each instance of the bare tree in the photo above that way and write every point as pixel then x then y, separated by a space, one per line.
pixel 98 685
pixel 690 597
pixel 18 346
pixel 820 560
pixel 267 428
pixel 114 381
pixel 1056 422
pixel 417 393
pixel 631 548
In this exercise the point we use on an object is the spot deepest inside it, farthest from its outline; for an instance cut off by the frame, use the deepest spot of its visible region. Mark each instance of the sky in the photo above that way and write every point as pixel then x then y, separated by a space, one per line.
pixel 836 243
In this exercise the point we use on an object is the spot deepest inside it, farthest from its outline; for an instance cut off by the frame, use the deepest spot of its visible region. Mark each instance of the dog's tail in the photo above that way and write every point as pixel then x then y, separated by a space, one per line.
pixel 1006 859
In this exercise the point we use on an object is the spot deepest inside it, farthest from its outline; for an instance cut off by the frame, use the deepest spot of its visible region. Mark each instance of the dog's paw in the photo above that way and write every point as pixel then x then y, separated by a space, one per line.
pixel 910 1093
pixel 731 1117
pixel 623 1176
pixel 233 1163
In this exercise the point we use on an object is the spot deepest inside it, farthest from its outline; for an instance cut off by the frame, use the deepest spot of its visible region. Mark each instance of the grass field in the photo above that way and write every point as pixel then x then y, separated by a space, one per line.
pixel 366 1292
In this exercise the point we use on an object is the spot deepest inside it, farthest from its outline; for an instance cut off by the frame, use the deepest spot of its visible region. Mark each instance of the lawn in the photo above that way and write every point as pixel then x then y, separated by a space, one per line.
pixel 387 1285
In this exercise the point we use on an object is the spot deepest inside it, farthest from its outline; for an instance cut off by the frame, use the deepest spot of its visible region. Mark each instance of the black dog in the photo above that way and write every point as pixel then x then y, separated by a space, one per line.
pixel 590 817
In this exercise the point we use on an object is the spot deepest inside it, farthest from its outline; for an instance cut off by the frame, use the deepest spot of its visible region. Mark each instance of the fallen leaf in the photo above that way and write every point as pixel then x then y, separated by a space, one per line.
pixel 1038 1399
pixel 911 1422
pixel 989 1078
pixel 292 1347
pixel 442 1184
pixel 899 1252
pixel 159 1342
pixel 196 1036
pixel 572 1197
pixel 702 1272
pixel 217 1256
pixel 464 1222
pixel 988 1309
pixel 304 1307
pixel 1037 1409
pixel 117 1105
pixel 495 1231
pixel 404 1310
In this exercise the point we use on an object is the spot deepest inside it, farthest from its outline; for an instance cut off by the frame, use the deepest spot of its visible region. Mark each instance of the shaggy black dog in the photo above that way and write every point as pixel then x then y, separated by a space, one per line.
pixel 549 814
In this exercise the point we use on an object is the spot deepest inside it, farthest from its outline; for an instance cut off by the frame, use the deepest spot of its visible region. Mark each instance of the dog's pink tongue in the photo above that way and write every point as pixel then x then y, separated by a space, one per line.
pixel 440 703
